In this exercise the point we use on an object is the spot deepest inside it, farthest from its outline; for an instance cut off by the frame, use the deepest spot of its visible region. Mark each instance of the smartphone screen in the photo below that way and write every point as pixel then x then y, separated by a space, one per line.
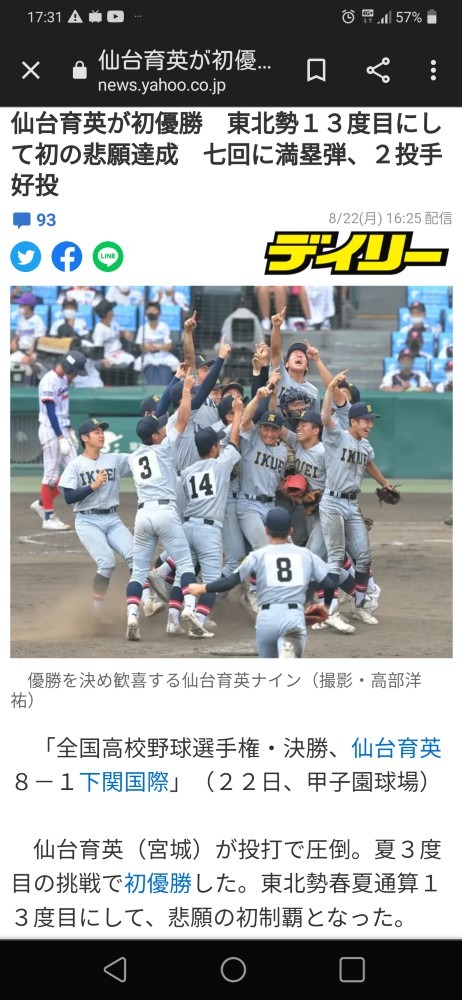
pixel 241 454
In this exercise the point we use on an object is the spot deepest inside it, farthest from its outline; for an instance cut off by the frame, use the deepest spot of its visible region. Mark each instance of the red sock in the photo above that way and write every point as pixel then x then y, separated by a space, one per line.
pixel 48 494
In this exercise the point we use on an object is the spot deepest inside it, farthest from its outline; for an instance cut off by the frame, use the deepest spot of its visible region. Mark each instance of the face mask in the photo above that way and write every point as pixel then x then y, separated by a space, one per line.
pixel 152 316
pixel 22 311
pixel 69 313
pixel 418 320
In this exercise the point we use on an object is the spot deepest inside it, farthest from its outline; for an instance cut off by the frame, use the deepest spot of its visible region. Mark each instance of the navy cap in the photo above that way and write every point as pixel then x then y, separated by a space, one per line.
pixel 355 396
pixel 205 438
pixel 278 520
pixel 417 305
pixel 270 419
pixel 201 362
pixel 295 347
pixel 309 417
pixel 149 404
pixel 359 410
pixel 224 407
pixel 405 352
pixel 103 308
pixel 233 385
pixel 150 425
pixel 74 361
pixel 91 425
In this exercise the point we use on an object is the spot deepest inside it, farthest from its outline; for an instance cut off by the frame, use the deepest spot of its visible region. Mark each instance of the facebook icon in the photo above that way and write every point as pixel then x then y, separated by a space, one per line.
pixel 66 256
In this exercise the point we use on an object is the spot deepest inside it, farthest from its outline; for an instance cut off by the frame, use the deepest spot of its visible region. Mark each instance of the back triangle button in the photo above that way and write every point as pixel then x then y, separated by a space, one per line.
pixel 117 969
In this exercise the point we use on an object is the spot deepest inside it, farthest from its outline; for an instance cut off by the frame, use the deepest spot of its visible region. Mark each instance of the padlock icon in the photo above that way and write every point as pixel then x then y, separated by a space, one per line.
pixel 79 71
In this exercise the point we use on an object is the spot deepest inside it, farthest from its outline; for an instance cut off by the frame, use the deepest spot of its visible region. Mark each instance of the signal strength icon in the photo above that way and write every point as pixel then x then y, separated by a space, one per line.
pixel 387 18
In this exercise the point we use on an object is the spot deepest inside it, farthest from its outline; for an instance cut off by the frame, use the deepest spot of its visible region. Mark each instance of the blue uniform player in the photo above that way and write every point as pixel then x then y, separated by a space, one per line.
pixel 90 483
pixel 283 572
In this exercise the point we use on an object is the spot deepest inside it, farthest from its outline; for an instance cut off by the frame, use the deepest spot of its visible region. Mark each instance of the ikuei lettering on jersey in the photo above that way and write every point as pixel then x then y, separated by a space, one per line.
pixel 353 457
pixel 268 461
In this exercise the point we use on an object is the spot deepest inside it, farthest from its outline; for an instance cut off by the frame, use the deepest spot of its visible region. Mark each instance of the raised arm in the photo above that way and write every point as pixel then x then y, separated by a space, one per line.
pixel 188 340
pixel 184 409
pixel 252 407
pixel 326 410
pixel 276 339
pixel 238 409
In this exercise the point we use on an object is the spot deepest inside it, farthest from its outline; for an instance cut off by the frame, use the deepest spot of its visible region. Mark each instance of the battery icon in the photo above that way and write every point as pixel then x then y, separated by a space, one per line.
pixel 431 17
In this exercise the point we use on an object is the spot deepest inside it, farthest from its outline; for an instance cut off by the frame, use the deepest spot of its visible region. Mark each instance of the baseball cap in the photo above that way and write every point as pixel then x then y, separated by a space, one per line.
pixel 224 406
pixel 295 347
pixel 201 362
pixel 359 410
pixel 405 353
pixel 27 299
pixel 270 419
pixel 449 366
pixel 176 392
pixel 310 417
pixel 417 305
pixel 103 308
pixel 90 425
pixel 74 361
pixel 296 482
pixel 278 519
pixel 150 425
pixel 355 395
pixel 149 404
pixel 205 438
pixel 233 385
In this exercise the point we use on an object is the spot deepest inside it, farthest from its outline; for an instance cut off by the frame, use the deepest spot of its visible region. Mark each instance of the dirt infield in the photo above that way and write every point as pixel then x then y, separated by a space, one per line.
pixel 51 582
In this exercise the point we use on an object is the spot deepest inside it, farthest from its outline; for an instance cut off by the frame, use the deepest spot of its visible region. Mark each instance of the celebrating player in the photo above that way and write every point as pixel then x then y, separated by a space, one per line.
pixel 283 572
pixel 153 468
pixel 348 456
pixel 56 437
pixel 295 366
pixel 91 483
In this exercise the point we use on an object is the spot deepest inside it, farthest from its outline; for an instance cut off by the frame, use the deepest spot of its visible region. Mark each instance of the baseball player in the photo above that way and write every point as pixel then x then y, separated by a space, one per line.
pixel 348 456
pixel 90 483
pixel 263 459
pixel 206 484
pixel 310 462
pixel 283 572
pixel 296 365
pixel 153 467
pixel 234 548
pixel 56 437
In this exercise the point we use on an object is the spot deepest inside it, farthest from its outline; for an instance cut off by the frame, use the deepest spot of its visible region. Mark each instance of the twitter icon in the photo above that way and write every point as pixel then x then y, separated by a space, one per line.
pixel 25 256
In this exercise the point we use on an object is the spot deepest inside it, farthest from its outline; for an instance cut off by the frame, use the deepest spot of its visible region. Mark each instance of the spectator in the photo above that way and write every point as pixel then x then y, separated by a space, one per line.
pixel 16 291
pixel 280 294
pixel 23 342
pixel 69 324
pixel 125 295
pixel 414 341
pixel 85 295
pixel 318 305
pixel 154 341
pixel 446 386
pixel 418 318
pixel 170 296
pixel 446 352
pixel 403 377
pixel 108 336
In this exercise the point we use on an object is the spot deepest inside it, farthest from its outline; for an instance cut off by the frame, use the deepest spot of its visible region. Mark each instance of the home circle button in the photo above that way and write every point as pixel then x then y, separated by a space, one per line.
pixel 233 969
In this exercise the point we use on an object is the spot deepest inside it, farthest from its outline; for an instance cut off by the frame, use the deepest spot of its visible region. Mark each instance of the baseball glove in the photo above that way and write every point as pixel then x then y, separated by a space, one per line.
pixel 315 614
pixel 311 500
pixel 388 494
